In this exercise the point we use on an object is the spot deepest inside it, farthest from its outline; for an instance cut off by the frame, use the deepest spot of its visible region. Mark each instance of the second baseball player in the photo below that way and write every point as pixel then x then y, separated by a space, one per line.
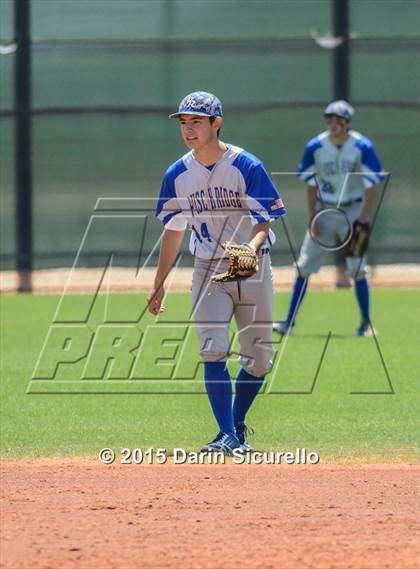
pixel 342 170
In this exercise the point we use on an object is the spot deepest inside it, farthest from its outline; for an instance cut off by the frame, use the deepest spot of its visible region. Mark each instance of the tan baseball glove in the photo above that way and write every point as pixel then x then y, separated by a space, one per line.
pixel 359 241
pixel 243 262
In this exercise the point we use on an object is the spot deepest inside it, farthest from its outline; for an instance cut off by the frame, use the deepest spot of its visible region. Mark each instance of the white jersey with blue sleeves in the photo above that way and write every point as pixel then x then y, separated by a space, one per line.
pixel 342 173
pixel 219 204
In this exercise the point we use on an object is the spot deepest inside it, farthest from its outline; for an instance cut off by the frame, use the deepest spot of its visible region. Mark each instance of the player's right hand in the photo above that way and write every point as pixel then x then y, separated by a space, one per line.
pixel 155 300
pixel 315 228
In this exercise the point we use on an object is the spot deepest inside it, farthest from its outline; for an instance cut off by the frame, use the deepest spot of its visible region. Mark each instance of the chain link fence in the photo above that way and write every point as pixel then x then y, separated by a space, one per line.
pixel 106 73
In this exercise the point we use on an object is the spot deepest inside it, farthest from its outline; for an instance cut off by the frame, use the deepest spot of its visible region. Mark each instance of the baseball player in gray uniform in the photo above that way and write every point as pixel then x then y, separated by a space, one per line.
pixel 224 195
pixel 341 170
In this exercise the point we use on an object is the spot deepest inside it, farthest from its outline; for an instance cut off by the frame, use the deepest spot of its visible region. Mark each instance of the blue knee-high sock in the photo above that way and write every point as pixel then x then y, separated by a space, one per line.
pixel 247 387
pixel 219 390
pixel 362 294
pixel 298 292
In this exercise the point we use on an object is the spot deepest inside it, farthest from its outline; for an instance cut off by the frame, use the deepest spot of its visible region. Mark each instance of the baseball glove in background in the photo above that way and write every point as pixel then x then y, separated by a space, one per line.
pixel 359 241
pixel 243 262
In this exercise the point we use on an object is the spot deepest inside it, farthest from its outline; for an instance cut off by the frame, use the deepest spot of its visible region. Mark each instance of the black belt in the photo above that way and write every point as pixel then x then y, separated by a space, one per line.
pixel 261 252
pixel 342 204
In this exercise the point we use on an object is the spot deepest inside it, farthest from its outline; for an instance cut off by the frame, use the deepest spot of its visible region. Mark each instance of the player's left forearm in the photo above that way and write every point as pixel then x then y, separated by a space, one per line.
pixel 369 199
pixel 259 235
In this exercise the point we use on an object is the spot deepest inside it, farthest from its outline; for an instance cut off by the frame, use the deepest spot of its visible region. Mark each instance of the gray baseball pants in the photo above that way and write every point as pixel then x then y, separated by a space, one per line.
pixel 250 301
pixel 332 226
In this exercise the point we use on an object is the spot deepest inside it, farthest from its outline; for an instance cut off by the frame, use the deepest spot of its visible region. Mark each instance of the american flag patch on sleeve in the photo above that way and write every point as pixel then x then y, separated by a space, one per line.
pixel 277 204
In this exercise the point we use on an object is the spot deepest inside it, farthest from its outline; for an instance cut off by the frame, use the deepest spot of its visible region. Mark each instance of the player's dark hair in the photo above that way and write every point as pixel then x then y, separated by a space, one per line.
pixel 212 119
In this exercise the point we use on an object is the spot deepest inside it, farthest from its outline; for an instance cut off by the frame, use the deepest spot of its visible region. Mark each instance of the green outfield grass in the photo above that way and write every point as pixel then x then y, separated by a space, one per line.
pixel 351 414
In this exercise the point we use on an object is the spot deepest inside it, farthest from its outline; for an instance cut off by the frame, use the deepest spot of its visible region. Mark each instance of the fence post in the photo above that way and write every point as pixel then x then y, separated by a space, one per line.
pixel 23 159
pixel 341 62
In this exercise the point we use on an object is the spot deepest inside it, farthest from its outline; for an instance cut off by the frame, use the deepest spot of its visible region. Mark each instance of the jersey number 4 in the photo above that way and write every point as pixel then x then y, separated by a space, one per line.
pixel 204 233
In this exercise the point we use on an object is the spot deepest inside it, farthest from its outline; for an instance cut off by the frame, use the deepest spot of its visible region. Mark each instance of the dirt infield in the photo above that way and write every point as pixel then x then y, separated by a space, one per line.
pixel 79 513
pixel 125 280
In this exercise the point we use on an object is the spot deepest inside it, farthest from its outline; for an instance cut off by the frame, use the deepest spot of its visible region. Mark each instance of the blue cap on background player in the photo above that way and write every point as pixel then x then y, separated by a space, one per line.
pixel 341 109
pixel 199 103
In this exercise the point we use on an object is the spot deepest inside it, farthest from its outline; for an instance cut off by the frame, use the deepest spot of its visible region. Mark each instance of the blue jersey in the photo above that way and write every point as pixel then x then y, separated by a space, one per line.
pixel 342 173
pixel 219 203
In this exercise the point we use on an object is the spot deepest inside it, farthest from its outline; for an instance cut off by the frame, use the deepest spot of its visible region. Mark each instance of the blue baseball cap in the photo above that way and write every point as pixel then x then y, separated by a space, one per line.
pixel 199 103
pixel 341 109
